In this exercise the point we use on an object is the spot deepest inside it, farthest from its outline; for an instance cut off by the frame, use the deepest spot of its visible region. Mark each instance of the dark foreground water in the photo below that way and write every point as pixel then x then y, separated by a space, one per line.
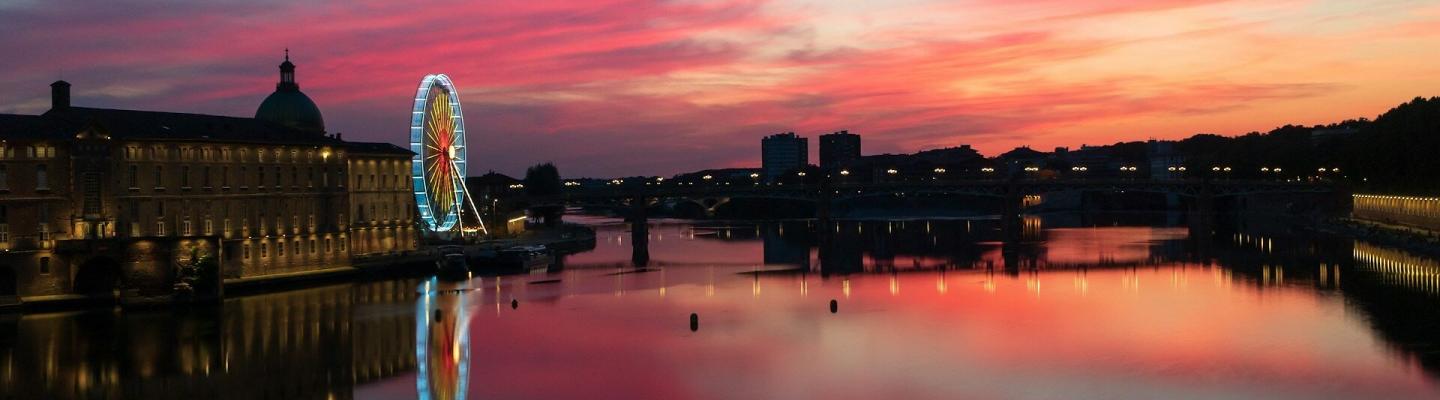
pixel 1083 307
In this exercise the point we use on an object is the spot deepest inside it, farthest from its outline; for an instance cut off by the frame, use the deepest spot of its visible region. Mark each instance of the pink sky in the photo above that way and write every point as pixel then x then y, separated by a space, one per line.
pixel 620 87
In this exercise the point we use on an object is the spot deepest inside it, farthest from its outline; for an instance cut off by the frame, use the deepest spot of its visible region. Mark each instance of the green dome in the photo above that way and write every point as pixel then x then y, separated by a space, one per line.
pixel 288 106
pixel 293 109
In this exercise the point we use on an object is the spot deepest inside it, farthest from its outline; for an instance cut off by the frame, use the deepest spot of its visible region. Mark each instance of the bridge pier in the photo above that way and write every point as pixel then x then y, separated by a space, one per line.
pixel 639 233
pixel 1012 224
pixel 1201 216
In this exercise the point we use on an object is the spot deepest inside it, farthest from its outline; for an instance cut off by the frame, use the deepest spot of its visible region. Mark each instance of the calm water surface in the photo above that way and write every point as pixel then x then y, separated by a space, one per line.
pixel 1082 307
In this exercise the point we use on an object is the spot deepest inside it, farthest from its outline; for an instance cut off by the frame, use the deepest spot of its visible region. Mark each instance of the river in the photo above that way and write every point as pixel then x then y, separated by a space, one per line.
pixel 1083 306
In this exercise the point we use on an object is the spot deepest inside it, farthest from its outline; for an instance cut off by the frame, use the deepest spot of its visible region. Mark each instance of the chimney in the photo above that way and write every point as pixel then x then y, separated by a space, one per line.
pixel 60 95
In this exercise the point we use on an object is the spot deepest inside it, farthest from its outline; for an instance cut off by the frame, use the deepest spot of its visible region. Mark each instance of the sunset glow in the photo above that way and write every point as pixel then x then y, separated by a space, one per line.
pixel 587 84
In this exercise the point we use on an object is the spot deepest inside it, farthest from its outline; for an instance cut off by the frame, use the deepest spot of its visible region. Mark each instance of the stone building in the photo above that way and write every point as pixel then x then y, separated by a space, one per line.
pixel 105 202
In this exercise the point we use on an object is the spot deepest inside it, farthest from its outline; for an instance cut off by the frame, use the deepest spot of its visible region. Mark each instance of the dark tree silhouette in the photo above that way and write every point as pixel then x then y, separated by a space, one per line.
pixel 540 181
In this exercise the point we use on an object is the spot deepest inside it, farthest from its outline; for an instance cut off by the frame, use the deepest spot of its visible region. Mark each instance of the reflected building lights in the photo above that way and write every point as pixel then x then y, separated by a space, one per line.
pixel 1396 267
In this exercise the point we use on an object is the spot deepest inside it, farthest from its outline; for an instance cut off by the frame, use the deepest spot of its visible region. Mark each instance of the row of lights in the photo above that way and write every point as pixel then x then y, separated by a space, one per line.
pixel 892 171
pixel 1372 196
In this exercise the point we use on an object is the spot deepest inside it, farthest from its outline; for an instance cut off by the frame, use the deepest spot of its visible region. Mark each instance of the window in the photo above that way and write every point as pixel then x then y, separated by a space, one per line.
pixel 225 177
pixel 44 234
pixel 245 227
pixel 277 176
pixel 134 176
pixel 4 235
pixel 159 228
pixel 205 178
pixel 45 265
pixel 327 245
pixel 245 251
pixel 4 179
pixel 280 248
pixel 160 209
pixel 264 250
pixel 294 176
pixel 312 246
pixel 159 177
pixel 185 177
pixel 209 227
pixel 42 177
pixel 342 244
pixel 134 229
pixel 225 228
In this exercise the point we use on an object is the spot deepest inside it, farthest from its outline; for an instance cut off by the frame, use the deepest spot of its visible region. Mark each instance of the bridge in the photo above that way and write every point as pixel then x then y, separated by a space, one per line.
pixel 1012 195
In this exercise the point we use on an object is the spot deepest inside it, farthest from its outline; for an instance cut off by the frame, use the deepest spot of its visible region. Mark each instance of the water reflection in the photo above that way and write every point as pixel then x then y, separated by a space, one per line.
pixel 442 341
pixel 1080 306
pixel 314 343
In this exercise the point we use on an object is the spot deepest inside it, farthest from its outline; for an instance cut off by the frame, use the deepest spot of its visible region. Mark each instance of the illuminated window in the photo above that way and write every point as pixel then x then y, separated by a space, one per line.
pixel 225 228
pixel 185 226
pixel 4 235
pixel 159 228
pixel 209 227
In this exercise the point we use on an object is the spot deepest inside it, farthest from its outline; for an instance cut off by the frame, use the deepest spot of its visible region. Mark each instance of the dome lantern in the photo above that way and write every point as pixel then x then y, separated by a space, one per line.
pixel 288 105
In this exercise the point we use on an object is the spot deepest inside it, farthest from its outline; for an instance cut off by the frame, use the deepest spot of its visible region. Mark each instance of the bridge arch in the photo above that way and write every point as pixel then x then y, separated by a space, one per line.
pixel 8 282
pixel 97 276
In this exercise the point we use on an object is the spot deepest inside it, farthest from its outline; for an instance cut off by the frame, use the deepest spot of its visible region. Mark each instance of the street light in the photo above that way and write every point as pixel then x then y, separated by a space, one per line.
pixel 939 170
pixel 844 172
pixel 801 173
pixel 987 170
pixel 891 171
pixel 707 177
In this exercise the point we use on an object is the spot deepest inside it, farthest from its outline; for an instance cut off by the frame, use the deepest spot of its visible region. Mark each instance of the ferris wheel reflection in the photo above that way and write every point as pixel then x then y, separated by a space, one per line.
pixel 442 341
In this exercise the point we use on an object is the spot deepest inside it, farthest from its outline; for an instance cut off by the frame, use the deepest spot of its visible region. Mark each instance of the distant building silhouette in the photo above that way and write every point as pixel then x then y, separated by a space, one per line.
pixel 781 153
pixel 1165 162
pixel 839 149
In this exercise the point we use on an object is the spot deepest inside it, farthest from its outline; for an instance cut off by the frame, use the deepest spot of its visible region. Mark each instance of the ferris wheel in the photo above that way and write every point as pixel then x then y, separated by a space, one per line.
pixel 437 137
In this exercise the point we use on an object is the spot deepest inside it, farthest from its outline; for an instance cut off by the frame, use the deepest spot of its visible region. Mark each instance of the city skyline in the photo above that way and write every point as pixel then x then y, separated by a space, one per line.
pixel 696 85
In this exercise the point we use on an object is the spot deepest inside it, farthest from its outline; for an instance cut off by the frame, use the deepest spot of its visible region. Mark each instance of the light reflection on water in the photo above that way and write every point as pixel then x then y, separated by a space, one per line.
pixel 1083 308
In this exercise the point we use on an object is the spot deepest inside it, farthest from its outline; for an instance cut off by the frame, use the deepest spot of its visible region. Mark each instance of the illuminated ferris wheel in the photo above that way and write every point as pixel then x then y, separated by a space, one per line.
pixel 437 137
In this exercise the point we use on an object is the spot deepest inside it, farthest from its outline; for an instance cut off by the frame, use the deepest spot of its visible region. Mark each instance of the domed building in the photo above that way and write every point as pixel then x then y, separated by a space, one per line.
pixel 82 188
pixel 289 106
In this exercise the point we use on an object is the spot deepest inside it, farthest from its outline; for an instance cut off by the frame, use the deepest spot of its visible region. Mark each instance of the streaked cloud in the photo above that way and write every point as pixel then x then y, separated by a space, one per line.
pixel 695 84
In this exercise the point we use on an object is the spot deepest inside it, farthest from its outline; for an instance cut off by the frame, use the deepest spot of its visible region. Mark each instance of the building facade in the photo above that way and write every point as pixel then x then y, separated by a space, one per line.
pixel 781 153
pixel 107 202
pixel 839 149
